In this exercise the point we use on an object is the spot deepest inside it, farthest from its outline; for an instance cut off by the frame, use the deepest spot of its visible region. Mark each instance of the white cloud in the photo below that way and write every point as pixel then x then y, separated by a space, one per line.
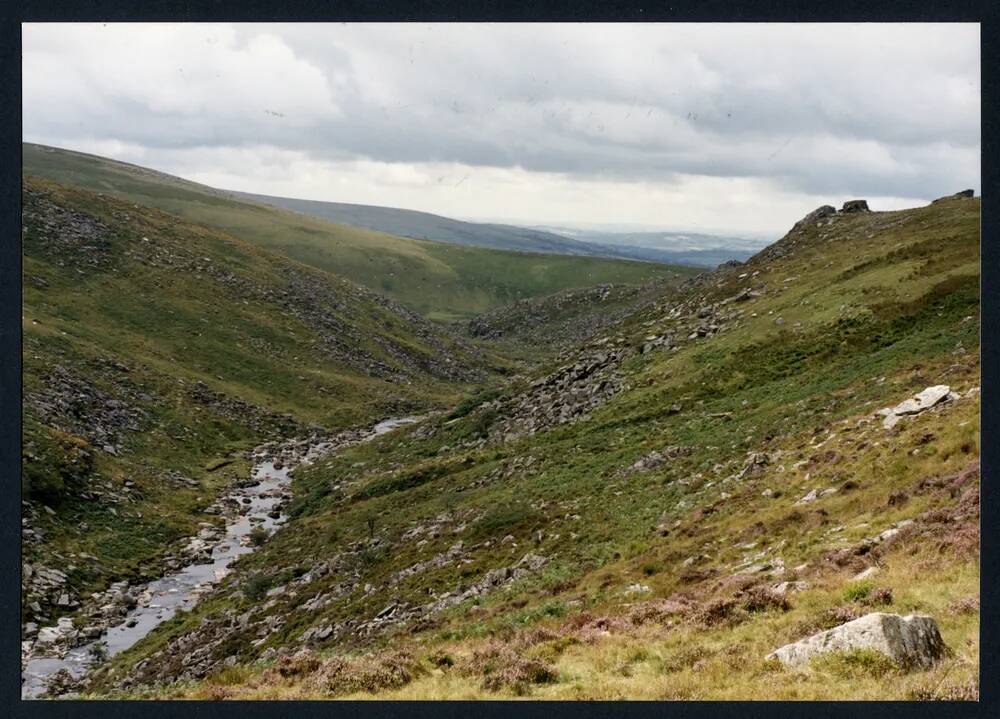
pixel 140 79
pixel 739 126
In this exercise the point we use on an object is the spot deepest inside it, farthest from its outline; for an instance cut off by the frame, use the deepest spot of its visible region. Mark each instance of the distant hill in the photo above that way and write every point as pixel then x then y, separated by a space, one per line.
pixel 427 226
pixel 441 281
pixel 685 248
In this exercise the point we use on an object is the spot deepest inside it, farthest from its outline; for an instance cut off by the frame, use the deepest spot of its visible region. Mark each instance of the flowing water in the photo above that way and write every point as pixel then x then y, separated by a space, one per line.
pixel 164 597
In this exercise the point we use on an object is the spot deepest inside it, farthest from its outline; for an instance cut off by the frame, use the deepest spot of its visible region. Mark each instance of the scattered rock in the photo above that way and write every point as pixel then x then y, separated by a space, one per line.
pixel 920 402
pixel 637 589
pixel 913 641
pixel 865 574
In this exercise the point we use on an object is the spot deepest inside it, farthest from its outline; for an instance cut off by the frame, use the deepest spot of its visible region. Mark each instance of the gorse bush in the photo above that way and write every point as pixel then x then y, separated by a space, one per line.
pixel 857 592
pixel 256 587
pixel 53 464
pixel 470 403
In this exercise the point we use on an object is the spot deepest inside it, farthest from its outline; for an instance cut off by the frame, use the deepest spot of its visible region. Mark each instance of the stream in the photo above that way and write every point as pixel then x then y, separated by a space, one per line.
pixel 161 599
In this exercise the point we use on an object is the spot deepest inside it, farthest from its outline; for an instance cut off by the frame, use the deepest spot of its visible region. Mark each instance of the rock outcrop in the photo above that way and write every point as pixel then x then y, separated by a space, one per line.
pixel 964 194
pixel 855 206
pixel 911 642
pixel 563 396
pixel 815 216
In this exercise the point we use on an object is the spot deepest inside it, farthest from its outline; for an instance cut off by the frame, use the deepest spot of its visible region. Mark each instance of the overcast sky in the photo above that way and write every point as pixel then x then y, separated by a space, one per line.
pixel 741 128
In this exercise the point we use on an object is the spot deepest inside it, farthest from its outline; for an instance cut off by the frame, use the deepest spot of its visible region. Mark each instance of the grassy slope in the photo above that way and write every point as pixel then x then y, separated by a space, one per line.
pixel 873 308
pixel 144 311
pixel 537 328
pixel 442 282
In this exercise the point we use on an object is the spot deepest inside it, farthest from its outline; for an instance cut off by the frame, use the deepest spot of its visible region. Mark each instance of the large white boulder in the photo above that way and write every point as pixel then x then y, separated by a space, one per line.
pixel 916 404
pixel 912 641
pixel 923 400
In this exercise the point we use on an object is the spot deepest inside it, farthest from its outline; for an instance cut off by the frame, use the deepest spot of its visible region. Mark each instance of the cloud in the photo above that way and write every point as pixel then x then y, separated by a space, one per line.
pixel 795 113
pixel 170 85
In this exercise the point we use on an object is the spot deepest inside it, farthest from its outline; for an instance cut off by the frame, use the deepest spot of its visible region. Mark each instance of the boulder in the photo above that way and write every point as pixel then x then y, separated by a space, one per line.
pixel 855 206
pixel 913 641
pixel 924 400
pixel 49 635
pixel 788 587
pixel 812 496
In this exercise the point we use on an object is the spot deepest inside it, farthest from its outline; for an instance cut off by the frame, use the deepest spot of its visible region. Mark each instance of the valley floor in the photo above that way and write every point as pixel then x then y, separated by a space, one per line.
pixel 655 505
pixel 628 632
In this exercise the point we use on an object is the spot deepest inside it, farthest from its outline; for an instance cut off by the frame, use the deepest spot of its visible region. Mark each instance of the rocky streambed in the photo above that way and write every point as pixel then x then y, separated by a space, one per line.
pixel 60 655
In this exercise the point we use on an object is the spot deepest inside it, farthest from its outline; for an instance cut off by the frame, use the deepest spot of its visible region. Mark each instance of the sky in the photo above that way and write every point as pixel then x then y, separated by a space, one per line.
pixel 738 128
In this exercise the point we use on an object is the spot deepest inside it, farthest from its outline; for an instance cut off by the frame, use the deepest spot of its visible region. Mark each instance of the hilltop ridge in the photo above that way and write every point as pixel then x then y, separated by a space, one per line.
pixel 440 281
pixel 428 226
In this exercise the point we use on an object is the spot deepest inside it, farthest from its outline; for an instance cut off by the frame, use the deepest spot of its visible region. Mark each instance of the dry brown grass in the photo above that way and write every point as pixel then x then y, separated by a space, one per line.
pixel 502 668
pixel 371 673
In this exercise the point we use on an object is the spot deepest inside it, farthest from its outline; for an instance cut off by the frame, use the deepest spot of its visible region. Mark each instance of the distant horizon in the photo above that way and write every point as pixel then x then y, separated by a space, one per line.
pixel 516 222
pixel 655 124
pixel 756 238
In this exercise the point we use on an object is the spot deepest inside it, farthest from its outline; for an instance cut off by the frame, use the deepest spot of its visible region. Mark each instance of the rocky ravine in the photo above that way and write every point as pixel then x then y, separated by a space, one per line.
pixel 55 659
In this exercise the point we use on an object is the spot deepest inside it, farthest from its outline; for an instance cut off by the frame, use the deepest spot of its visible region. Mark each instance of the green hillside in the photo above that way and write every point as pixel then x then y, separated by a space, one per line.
pixel 157 352
pixel 649 516
pixel 440 281
pixel 538 327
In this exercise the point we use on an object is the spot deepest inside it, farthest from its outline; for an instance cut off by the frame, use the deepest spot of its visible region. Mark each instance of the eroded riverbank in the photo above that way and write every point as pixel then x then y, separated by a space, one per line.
pixel 61 655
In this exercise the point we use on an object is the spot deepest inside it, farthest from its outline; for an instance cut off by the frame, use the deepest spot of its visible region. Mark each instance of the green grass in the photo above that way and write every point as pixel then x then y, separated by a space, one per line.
pixel 874 308
pixel 169 305
pixel 441 281
pixel 868 321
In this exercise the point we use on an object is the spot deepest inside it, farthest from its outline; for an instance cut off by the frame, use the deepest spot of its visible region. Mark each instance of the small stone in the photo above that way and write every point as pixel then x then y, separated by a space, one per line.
pixel 870 572
pixel 811 497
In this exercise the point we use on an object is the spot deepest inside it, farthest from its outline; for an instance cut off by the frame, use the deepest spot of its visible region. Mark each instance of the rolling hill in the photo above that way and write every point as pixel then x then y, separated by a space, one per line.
pixel 427 226
pixel 650 514
pixel 157 352
pixel 686 248
pixel 438 280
